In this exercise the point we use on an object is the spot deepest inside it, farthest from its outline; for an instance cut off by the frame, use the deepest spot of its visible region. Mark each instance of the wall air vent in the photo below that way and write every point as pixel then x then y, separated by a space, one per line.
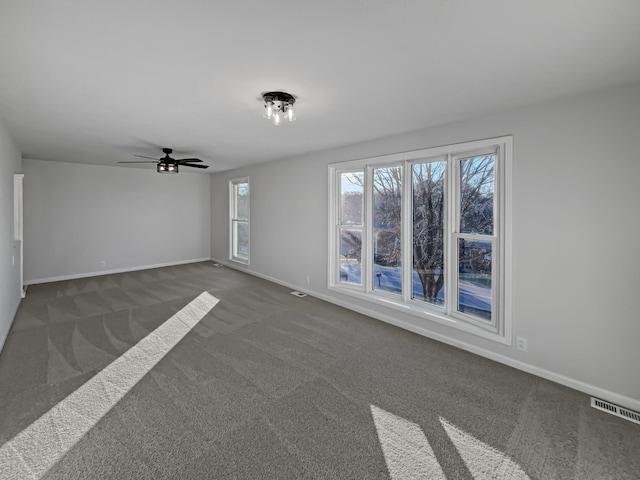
pixel 298 294
pixel 616 410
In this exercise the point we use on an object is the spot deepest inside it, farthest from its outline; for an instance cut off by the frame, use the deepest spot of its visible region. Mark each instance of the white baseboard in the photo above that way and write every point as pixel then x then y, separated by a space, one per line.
pixel 4 336
pixel 3 339
pixel 108 272
pixel 622 400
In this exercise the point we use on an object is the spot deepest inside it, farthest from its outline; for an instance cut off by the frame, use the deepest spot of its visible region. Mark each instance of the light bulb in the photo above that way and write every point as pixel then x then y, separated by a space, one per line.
pixel 276 118
pixel 268 110
pixel 290 115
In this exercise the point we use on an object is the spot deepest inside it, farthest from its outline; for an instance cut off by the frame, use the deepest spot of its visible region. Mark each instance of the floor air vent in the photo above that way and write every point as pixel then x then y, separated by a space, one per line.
pixel 298 294
pixel 616 410
pixel 217 264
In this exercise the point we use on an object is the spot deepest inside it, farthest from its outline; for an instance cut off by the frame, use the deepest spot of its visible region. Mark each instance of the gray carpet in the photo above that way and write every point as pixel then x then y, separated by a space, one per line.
pixel 263 384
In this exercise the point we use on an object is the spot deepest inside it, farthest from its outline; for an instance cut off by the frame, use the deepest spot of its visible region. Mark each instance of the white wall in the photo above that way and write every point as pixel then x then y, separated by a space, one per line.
pixel 576 232
pixel 10 294
pixel 78 215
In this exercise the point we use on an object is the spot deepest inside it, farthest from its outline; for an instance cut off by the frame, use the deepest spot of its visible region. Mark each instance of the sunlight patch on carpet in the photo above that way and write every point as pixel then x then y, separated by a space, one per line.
pixel 408 454
pixel 482 460
pixel 32 452
pixel 406 449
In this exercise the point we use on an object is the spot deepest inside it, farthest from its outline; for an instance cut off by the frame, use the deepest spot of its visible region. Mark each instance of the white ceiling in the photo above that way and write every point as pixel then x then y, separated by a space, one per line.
pixel 98 81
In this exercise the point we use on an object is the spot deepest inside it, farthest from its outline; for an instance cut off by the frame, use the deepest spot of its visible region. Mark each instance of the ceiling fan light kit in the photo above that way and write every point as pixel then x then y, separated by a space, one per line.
pixel 278 106
pixel 164 167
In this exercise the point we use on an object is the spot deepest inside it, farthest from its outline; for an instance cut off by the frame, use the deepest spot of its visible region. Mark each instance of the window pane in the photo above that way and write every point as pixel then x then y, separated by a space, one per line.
pixel 351 198
pixel 351 256
pixel 476 195
pixel 428 232
pixel 474 285
pixel 242 197
pixel 387 271
pixel 241 239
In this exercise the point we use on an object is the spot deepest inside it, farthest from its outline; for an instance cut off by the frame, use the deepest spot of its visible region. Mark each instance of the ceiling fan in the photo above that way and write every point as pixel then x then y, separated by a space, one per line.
pixel 170 165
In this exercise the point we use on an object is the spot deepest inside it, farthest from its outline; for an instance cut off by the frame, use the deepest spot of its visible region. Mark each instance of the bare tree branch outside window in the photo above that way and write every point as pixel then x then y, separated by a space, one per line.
pixel 428 201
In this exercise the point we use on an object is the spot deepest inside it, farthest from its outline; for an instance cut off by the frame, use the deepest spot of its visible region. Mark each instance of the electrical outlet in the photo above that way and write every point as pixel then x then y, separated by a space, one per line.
pixel 103 263
pixel 521 343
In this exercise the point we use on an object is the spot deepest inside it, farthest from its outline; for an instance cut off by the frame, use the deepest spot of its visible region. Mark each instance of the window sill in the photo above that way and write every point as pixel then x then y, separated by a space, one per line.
pixel 239 260
pixel 422 313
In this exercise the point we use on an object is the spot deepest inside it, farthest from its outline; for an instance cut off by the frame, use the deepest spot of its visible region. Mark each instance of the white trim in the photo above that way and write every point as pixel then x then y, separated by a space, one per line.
pixel 461 149
pixel 366 266
pixel 3 340
pixel 451 206
pixel 406 232
pixel 18 224
pixel 332 269
pixel 424 312
pixel 583 387
pixel 18 199
pixel 506 230
pixel 116 270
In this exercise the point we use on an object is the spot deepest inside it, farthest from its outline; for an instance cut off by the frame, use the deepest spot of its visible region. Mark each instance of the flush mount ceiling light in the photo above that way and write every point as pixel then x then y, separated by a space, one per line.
pixel 278 106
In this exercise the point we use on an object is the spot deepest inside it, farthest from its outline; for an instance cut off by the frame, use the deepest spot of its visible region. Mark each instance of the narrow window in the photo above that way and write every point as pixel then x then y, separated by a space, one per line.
pixel 350 222
pixel 475 236
pixel 428 209
pixel 387 228
pixel 239 219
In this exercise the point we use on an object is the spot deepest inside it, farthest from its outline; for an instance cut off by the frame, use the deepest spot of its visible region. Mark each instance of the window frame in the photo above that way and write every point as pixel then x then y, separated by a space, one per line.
pixel 499 329
pixel 234 220
pixel 494 239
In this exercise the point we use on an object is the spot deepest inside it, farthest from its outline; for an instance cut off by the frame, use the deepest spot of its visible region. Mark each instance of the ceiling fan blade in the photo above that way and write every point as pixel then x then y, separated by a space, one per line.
pixel 141 161
pixel 188 160
pixel 194 166
pixel 142 156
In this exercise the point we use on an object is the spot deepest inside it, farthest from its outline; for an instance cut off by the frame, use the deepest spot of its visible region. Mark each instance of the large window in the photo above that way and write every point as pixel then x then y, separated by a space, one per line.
pixel 239 219
pixel 427 232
